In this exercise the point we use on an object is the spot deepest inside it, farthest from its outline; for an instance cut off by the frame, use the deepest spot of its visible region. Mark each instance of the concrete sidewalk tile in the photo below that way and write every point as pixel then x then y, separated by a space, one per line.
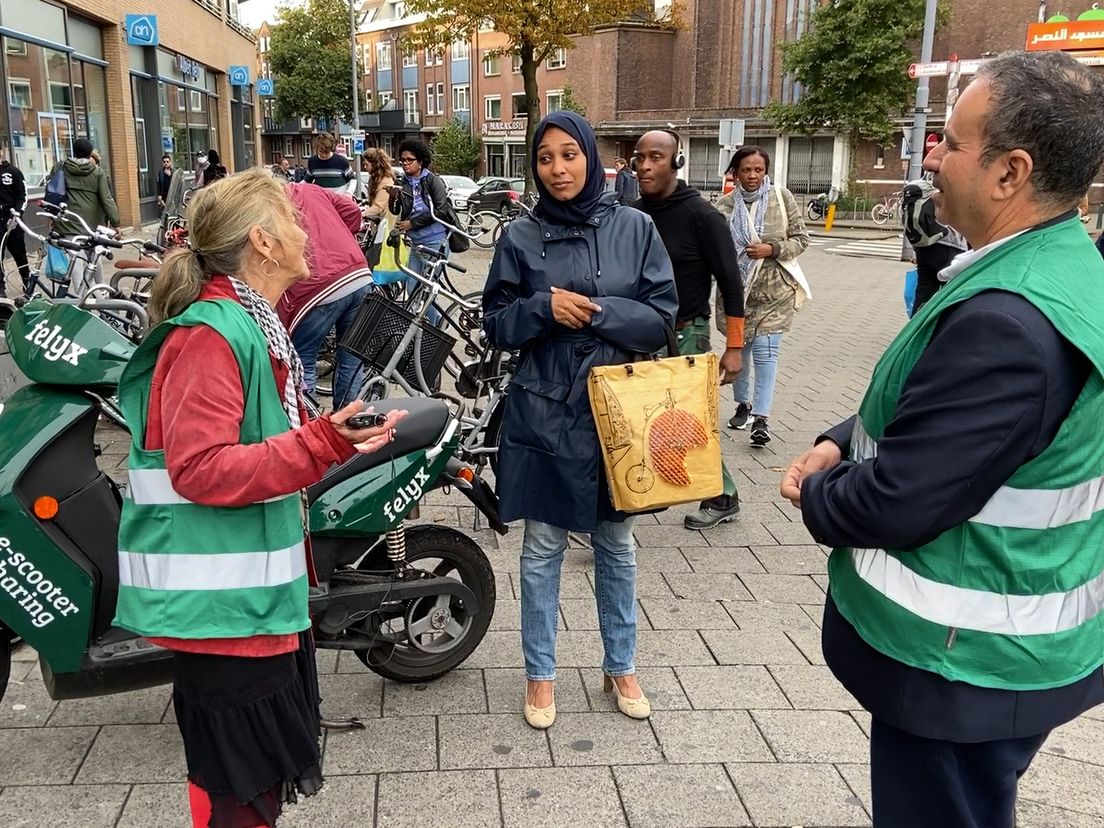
pixel 95 806
pixel 497 649
pixel 557 797
pixel 157 806
pixel 804 559
pixel 1036 815
pixel 692 736
pixel 668 537
pixel 399 743
pixel 797 795
pixel 723 560
pixel 767 615
pixel 858 780
pixel 326 660
pixel 752 647
pixel 506 690
pixel 26 704
pixel 1081 739
pixel 690 796
pixel 660 559
pixel 709 587
pixel 578 648
pixel 731 688
pixel 602 739
pixel 343 802
pixel 1065 783
pixel 501 740
pixel 812 687
pixel 789 534
pixel 652 585
pixel 784 589
pixel 862 719
pixel 813 735
pixel 137 707
pixel 822 582
pixel 815 613
pixel 686 614
pixel 459 691
pixel 351 695
pixel 660 685
pixel 458 799
pixel 1095 713
pixel 740 532
pixel 809 642
pixel 134 753
pixel 20 670
pixel 669 648
pixel 348 662
pixel 507 615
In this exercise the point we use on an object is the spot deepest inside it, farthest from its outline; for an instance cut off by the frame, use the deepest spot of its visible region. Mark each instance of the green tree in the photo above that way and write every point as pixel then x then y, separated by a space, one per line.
pixel 569 101
pixel 852 68
pixel 455 150
pixel 310 61
pixel 535 30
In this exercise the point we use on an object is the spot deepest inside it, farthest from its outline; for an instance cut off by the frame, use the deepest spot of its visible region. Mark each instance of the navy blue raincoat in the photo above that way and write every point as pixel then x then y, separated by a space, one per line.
pixel 549 465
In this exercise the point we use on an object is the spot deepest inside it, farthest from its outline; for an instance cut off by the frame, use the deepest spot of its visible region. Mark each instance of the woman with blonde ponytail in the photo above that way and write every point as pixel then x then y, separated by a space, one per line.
pixel 212 560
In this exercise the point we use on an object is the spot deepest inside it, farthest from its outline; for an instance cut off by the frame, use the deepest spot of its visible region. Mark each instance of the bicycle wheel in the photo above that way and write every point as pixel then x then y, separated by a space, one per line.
pixel 814 211
pixel 880 214
pixel 12 282
pixel 481 226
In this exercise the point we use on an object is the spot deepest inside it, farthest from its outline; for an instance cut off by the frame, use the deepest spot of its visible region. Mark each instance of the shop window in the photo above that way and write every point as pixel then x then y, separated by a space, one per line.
pixel 492 108
pixel 39 104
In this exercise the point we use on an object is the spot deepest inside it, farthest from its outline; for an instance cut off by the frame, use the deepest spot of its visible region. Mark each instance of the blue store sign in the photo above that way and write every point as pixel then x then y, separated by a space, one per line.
pixel 266 88
pixel 239 75
pixel 141 29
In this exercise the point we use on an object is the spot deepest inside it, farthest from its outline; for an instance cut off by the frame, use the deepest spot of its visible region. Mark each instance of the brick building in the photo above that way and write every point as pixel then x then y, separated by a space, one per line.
pixel 69 72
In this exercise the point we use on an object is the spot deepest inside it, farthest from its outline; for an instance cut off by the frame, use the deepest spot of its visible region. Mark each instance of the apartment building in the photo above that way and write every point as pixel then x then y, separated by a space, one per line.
pixel 75 68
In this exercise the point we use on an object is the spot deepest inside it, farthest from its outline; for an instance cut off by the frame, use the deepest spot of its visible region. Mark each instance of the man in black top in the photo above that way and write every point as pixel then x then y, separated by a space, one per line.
pixel 935 245
pixel 13 196
pixel 700 245
pixel 625 187
pixel 164 179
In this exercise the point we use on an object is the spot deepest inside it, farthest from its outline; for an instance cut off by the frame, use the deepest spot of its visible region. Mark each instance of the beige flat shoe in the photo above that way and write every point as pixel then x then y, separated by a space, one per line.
pixel 540 718
pixel 639 708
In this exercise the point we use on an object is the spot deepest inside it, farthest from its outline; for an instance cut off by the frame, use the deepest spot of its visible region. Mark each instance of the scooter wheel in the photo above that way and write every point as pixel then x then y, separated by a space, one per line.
pixel 445 630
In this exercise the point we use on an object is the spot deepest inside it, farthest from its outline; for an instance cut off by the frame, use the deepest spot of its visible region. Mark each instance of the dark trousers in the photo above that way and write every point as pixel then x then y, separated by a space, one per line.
pixel 16 245
pixel 919 783
pixel 929 261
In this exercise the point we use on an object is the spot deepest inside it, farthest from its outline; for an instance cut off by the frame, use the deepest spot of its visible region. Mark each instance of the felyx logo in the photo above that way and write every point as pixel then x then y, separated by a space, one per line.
pixel 56 346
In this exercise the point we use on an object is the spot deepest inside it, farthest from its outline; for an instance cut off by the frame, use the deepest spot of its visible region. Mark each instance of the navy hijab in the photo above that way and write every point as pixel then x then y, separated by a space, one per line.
pixel 582 207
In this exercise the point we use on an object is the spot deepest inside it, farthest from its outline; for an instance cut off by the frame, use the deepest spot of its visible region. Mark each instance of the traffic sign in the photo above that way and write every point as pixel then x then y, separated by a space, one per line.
pixel 141 29
pixel 239 75
pixel 358 141
pixel 731 132
pixel 266 88
pixel 931 142
pixel 928 70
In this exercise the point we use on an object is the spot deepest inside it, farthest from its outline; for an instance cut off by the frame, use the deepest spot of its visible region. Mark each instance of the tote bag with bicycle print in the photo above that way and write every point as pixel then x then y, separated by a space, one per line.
pixel 657 428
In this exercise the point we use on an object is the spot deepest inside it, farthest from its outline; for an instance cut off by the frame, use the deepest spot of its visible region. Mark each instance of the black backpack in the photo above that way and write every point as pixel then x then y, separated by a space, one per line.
pixel 55 187
pixel 456 242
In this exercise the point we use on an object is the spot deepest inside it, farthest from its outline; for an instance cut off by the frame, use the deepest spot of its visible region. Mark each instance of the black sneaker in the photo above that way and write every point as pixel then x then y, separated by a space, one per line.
pixel 740 418
pixel 760 432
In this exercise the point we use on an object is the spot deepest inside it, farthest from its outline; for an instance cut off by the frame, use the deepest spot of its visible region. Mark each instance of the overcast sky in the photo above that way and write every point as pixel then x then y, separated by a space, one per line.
pixel 254 12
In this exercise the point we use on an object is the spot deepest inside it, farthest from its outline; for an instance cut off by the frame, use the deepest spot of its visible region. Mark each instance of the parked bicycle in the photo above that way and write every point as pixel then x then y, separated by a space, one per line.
pixel 889 208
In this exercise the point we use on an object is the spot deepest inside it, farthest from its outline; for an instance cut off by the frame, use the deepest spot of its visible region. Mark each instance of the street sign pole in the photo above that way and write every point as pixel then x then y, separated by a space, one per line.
pixel 356 96
pixel 920 116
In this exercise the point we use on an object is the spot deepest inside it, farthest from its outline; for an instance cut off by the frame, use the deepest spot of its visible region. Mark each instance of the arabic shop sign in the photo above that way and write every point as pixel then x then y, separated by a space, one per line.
pixel 1069 36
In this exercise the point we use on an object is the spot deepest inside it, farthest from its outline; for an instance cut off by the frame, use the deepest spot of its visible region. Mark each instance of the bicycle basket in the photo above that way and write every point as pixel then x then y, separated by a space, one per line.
pixel 379 327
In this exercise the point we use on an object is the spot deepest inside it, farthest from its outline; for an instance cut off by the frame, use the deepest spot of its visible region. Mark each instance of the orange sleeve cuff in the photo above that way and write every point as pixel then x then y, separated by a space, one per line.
pixel 735 337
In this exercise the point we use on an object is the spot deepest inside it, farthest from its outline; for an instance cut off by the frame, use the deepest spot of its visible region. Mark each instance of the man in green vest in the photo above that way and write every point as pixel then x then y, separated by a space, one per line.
pixel 965 500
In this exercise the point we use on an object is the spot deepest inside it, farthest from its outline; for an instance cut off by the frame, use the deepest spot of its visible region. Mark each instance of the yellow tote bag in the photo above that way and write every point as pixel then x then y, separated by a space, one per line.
pixel 657 426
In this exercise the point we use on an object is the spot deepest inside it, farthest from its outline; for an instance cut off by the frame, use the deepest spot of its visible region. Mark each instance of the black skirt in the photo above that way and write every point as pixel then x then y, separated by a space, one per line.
pixel 251 731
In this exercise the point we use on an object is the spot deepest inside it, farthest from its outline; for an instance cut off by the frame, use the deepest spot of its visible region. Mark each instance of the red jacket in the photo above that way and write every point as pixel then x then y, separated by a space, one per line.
pixel 330 221
pixel 195 411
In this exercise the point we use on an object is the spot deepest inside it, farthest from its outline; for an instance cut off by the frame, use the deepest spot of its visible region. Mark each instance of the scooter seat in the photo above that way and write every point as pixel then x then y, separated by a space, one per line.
pixel 424 422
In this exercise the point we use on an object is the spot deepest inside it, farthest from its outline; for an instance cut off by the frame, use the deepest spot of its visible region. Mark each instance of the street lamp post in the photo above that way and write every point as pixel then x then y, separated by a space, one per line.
pixel 920 116
pixel 356 91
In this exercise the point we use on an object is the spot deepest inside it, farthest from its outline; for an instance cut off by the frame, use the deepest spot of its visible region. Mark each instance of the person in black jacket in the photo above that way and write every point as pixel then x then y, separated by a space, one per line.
pixel 625 187
pixel 700 245
pixel 164 179
pixel 934 244
pixel 422 188
pixel 13 196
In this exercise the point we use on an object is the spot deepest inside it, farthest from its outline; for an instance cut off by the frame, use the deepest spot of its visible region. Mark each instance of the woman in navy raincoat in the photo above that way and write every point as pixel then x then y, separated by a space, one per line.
pixel 583 282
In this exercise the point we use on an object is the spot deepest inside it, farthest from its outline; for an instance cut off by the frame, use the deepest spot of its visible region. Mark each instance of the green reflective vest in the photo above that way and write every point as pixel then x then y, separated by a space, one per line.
pixel 192 571
pixel 1011 598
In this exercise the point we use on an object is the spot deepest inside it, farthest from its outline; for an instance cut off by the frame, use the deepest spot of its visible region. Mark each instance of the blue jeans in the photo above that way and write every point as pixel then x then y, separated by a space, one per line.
pixel 542 553
pixel 416 264
pixel 763 354
pixel 308 337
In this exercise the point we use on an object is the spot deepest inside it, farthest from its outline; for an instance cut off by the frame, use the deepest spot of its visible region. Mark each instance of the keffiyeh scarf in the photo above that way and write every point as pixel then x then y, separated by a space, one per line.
pixel 741 225
pixel 279 342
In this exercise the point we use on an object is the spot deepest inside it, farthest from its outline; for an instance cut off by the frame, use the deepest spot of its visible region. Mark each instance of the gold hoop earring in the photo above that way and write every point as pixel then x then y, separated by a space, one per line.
pixel 274 272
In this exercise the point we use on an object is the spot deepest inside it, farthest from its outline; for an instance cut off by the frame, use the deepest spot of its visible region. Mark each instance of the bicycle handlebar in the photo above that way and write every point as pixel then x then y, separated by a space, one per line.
pixel 437 255
pixel 124 305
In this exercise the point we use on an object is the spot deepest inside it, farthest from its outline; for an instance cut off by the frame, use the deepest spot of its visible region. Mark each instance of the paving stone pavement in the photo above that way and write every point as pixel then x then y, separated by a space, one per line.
pixel 749 727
